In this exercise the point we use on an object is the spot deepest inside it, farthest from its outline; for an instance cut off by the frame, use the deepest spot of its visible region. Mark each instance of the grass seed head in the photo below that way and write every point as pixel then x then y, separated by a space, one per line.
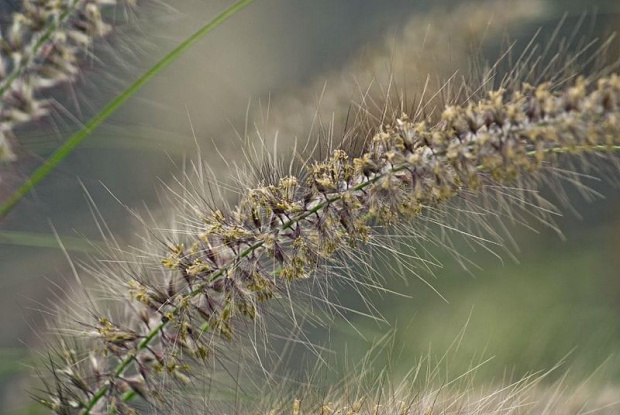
pixel 230 265
pixel 39 50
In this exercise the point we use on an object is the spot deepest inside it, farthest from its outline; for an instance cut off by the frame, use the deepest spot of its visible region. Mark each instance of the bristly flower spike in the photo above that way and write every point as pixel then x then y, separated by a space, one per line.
pixel 232 262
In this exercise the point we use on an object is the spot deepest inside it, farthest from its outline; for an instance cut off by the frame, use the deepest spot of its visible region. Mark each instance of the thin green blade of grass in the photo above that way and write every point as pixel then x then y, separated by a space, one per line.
pixel 128 137
pixel 67 148
pixel 39 240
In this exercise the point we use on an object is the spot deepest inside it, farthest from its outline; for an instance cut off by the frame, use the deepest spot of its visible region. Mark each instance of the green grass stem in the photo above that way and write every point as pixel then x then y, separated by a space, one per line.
pixel 40 240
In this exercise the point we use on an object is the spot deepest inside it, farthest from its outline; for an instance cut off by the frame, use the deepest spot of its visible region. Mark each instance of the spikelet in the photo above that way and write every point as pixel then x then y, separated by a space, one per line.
pixel 39 50
pixel 230 263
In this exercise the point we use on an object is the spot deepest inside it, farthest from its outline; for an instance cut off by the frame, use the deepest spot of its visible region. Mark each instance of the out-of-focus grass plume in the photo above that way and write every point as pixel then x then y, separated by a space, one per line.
pixel 40 49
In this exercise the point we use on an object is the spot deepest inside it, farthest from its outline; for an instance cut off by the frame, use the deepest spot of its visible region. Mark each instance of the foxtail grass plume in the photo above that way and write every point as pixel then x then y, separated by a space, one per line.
pixel 40 49
pixel 525 397
pixel 227 264
pixel 426 389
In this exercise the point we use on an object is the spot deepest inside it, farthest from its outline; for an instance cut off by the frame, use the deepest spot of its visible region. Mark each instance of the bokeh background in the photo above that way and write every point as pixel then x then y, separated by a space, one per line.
pixel 561 302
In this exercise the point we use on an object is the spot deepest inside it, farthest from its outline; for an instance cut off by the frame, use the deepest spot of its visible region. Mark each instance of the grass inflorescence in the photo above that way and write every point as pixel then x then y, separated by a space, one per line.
pixel 426 389
pixel 227 264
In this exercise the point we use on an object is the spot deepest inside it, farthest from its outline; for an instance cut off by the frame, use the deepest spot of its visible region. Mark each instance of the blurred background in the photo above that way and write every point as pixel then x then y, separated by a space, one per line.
pixel 291 68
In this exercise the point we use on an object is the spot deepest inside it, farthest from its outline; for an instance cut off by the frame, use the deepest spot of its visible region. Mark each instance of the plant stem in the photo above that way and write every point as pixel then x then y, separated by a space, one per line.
pixel 40 240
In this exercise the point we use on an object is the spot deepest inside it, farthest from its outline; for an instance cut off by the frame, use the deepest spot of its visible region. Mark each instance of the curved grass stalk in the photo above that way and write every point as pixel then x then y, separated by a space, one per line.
pixel 67 148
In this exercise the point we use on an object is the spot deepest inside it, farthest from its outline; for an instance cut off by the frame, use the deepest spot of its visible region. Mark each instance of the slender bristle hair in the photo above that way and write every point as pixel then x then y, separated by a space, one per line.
pixel 198 288
pixel 40 49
